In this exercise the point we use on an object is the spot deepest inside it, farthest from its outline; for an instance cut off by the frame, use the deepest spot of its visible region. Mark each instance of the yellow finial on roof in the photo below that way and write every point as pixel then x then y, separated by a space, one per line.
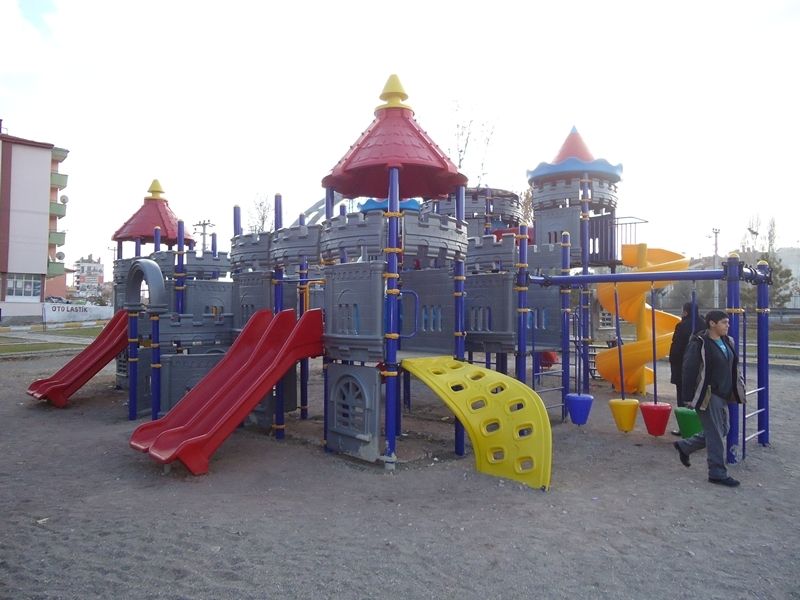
pixel 393 94
pixel 155 189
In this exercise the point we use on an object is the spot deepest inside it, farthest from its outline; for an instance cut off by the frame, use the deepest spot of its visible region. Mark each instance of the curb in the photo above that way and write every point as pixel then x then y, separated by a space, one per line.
pixel 40 354
pixel 41 327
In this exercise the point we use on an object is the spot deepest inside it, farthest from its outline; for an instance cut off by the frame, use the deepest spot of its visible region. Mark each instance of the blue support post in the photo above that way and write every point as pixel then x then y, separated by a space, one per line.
pixel 278 212
pixel 392 325
pixel 618 333
pixel 585 293
pixel 733 310
pixel 156 238
pixel 459 279
pixel 487 215
pixel 762 294
pixel 502 363
pixel 137 252
pixel 407 390
pixel 155 367
pixel 180 275
pixel 119 250
pixel 304 295
pixel 214 273
pixel 279 421
pixel 133 364
pixel 279 424
pixel 522 303
pixel 653 335
pixel 565 330
pixel 325 395
pixel 237 221
pixel 329 194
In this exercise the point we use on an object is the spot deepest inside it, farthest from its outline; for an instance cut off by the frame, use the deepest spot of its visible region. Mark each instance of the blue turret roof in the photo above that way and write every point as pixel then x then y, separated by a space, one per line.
pixel 574 157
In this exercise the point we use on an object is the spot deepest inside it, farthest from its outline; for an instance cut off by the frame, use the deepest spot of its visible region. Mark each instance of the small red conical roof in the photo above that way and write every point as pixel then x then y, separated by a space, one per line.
pixel 574 147
pixel 394 139
pixel 154 212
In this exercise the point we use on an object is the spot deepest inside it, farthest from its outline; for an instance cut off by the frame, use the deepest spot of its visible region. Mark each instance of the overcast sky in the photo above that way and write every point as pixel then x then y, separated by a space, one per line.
pixel 226 102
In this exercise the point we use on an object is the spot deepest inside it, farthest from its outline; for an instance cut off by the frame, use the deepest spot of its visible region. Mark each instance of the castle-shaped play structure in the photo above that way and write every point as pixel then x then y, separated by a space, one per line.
pixel 424 276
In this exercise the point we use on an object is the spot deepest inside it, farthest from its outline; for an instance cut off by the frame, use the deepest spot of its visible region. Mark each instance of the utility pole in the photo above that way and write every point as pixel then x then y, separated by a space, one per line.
pixel 204 224
pixel 715 231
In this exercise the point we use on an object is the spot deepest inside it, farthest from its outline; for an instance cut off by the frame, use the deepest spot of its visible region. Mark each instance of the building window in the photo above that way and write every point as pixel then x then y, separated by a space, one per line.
pixel 23 285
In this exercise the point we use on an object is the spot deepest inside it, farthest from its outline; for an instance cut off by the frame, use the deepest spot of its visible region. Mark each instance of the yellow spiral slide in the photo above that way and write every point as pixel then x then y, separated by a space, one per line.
pixel 633 307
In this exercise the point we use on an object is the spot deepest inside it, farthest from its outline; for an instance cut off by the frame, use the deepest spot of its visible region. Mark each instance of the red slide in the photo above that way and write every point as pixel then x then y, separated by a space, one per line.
pixel 216 417
pixel 72 376
pixel 196 398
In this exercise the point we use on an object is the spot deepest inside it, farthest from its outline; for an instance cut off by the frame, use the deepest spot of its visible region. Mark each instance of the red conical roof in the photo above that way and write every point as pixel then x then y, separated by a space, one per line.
pixel 574 147
pixel 394 139
pixel 155 212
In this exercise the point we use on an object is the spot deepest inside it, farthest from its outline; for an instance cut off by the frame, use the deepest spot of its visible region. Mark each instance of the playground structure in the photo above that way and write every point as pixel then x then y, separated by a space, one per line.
pixel 407 287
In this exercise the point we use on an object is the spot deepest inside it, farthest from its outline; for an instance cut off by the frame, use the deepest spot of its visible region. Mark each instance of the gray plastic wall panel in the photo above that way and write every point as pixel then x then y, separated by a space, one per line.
pixel 354 411
pixel 491 312
pixel 289 245
pixel 354 311
pixel 196 333
pixel 486 253
pixel 264 411
pixel 250 252
pixel 181 372
pixel 544 318
pixel 432 239
pixel 552 194
pixel 252 291
pixel 434 318
pixel 208 297
pixel 355 234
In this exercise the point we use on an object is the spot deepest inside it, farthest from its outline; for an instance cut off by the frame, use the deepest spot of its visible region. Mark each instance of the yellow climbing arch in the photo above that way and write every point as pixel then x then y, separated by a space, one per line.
pixel 506 421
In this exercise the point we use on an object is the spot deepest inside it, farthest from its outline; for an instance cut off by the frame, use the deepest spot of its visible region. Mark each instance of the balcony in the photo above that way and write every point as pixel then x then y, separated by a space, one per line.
pixel 58 180
pixel 57 238
pixel 57 209
pixel 54 269
pixel 59 154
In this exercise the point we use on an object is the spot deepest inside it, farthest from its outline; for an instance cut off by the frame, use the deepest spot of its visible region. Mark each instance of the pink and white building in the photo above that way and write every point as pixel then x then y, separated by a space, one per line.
pixel 31 266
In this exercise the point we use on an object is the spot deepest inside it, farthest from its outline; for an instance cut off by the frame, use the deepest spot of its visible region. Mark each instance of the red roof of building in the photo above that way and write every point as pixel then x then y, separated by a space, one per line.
pixel 394 139
pixel 574 147
pixel 154 212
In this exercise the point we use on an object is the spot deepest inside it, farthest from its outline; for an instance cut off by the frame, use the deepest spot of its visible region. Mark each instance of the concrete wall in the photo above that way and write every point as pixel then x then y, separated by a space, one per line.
pixel 30 210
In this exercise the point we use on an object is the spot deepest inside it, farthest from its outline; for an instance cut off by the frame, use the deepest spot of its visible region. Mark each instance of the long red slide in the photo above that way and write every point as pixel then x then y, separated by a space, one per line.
pixel 220 410
pixel 202 392
pixel 85 365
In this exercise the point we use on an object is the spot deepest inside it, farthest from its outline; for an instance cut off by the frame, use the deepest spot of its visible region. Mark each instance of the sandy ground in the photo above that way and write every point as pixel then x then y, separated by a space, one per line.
pixel 84 516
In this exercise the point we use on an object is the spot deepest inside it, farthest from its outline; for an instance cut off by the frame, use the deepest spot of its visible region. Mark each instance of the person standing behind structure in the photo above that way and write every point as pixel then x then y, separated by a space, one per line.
pixel 711 380
pixel 691 322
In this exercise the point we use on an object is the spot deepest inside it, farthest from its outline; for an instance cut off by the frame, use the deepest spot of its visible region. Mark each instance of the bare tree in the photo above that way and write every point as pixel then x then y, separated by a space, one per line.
pixel 526 199
pixel 466 130
pixel 260 218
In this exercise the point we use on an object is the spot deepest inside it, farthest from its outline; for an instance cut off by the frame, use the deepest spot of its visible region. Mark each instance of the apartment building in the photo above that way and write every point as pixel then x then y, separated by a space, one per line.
pixel 31 205
pixel 88 277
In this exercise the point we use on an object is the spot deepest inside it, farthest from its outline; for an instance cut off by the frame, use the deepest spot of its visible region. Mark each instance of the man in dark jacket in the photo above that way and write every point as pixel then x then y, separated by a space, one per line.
pixel 691 322
pixel 710 381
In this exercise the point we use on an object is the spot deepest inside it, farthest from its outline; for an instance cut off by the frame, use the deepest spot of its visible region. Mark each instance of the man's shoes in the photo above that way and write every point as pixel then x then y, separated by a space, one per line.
pixel 727 482
pixel 675 432
pixel 684 457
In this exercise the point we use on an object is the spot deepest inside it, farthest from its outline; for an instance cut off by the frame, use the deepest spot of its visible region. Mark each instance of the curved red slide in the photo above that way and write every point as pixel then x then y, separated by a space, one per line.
pixel 222 373
pixel 282 345
pixel 85 365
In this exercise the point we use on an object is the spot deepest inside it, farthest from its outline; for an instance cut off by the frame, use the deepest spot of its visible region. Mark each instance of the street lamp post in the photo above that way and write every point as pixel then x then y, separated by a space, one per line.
pixel 715 231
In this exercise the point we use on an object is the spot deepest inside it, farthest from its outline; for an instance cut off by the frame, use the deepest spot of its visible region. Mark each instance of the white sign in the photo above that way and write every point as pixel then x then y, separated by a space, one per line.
pixel 65 313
